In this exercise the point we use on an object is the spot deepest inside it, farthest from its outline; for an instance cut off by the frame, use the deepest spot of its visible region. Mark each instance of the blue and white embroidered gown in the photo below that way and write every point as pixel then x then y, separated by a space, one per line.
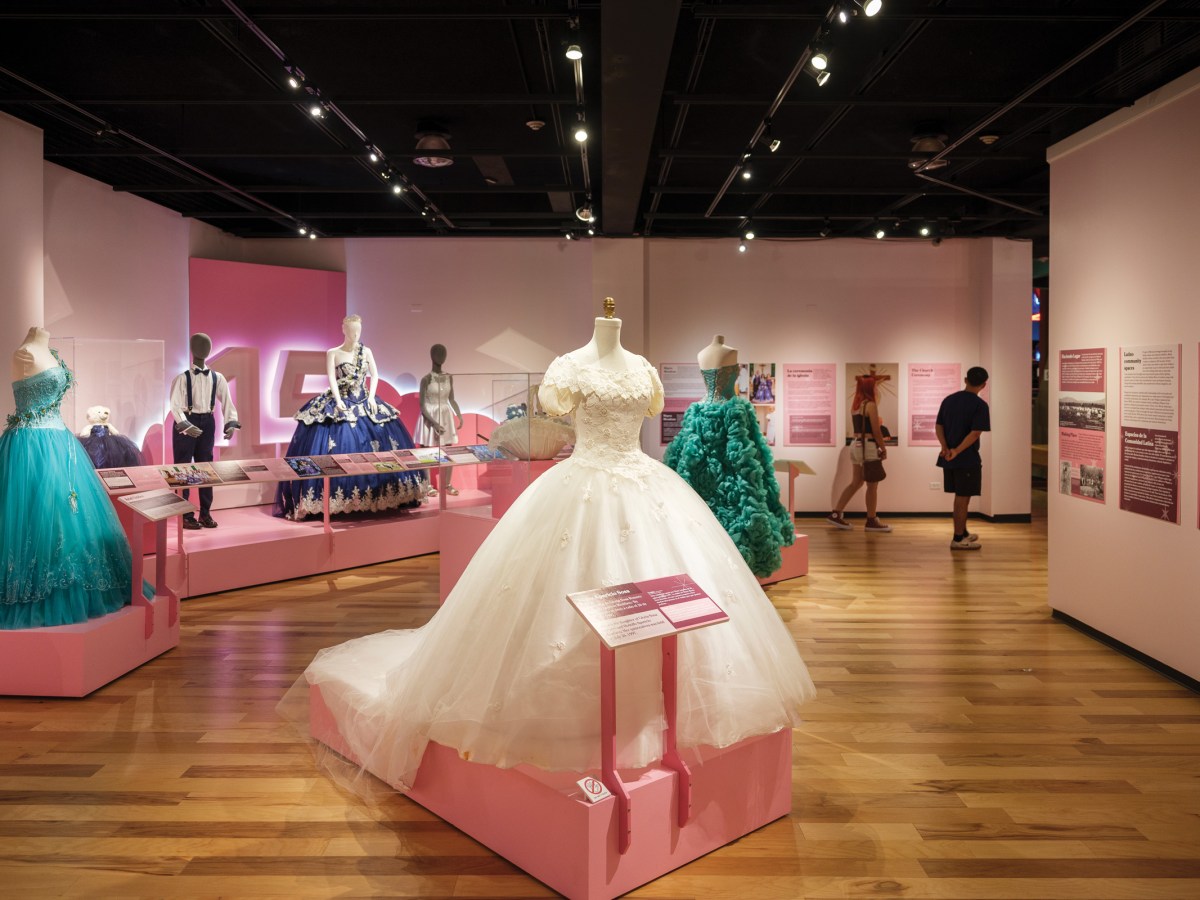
pixel 506 672
pixel 324 428
pixel 63 555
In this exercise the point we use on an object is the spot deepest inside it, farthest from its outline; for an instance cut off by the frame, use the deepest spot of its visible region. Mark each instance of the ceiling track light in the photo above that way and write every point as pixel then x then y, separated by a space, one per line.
pixel 397 189
pixel 925 231
pixel 845 11
pixel 568 235
pixel 317 111
pixel 581 133
pixel 826 228
pixel 870 8
pixel 749 234
pixel 303 230
pixel 312 235
pixel 574 52
pixel 880 234
pixel 742 246
pixel 772 143
pixel 585 213
pixel 819 59
pixel 820 77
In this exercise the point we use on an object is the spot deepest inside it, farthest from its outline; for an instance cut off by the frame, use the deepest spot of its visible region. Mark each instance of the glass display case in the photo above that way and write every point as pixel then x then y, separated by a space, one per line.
pixel 126 377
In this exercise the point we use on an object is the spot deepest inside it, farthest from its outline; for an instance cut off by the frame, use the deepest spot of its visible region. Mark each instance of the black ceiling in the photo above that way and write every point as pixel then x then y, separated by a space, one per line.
pixel 186 103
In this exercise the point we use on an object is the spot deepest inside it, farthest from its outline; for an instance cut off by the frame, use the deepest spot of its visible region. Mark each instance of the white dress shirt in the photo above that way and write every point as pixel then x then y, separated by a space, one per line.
pixel 202 392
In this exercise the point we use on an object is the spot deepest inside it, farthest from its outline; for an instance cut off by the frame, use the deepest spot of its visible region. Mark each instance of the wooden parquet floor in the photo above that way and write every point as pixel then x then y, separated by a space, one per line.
pixel 963 745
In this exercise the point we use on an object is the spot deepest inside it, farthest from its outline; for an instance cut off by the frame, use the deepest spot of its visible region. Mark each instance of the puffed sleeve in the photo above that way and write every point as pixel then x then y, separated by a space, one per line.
pixel 558 393
pixel 657 398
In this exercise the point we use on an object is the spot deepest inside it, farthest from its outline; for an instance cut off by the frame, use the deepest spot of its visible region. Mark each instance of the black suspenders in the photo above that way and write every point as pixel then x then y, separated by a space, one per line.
pixel 212 403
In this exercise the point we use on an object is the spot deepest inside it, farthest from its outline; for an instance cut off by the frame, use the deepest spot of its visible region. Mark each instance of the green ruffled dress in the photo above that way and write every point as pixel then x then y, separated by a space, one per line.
pixel 721 453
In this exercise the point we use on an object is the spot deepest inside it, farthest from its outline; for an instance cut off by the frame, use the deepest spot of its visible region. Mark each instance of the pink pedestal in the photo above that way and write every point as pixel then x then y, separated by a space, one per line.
pixel 795 562
pixel 462 533
pixel 541 822
pixel 508 479
pixel 74 660
pixel 251 546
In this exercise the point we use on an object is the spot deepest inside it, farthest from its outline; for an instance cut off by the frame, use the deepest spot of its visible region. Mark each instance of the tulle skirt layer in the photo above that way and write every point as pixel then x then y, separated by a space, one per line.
pixel 721 453
pixel 356 493
pixel 111 451
pixel 62 559
pixel 507 672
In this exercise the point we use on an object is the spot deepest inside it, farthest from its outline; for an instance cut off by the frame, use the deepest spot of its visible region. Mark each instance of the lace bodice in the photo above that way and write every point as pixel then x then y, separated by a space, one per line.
pixel 38 398
pixel 720 383
pixel 608 407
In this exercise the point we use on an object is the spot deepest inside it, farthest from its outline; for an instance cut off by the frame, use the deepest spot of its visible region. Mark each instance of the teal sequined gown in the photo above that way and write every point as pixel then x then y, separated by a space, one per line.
pixel 63 555
pixel 721 453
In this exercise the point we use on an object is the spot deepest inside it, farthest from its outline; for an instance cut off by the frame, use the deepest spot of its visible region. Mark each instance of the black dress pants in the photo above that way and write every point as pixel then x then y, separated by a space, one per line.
pixel 197 449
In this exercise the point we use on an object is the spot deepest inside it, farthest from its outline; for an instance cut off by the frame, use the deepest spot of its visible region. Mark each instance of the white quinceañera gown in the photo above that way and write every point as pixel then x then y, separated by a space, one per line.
pixel 507 672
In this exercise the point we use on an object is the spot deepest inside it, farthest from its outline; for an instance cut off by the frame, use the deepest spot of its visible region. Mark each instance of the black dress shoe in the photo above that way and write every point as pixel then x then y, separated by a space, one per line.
pixel 190 523
pixel 208 522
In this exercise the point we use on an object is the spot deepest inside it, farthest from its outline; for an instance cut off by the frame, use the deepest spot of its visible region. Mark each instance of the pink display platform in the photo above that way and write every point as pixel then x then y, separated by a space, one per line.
pixel 251 546
pixel 74 660
pixel 463 531
pixel 509 479
pixel 795 562
pixel 541 822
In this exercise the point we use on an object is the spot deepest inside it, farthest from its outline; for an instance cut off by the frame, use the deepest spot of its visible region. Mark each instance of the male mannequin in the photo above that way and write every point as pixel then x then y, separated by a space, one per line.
pixel 194 394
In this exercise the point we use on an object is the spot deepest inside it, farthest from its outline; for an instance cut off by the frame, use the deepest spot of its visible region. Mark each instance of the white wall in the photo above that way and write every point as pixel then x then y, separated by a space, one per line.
pixel 1125 195
pixel 835 301
pixel 115 264
pixel 20 235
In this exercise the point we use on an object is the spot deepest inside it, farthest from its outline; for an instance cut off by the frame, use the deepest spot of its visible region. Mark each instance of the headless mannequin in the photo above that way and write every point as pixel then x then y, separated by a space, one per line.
pixel 33 356
pixel 437 358
pixel 604 349
pixel 717 355
pixel 344 353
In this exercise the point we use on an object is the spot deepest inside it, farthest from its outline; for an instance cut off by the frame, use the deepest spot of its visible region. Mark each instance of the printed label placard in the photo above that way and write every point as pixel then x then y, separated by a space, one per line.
pixel 637 611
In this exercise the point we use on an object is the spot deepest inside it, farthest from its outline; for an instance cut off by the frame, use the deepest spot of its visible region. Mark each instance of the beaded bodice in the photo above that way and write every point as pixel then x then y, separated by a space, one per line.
pixel 351 374
pixel 720 383
pixel 608 406
pixel 39 396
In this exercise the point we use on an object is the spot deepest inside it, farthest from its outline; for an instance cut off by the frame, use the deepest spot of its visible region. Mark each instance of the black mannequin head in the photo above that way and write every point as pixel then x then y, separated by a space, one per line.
pixel 437 354
pixel 201 345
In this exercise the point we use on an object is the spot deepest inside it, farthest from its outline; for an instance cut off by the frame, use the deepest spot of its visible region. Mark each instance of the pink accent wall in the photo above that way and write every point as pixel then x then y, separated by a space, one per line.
pixel 1124 273
pixel 268 310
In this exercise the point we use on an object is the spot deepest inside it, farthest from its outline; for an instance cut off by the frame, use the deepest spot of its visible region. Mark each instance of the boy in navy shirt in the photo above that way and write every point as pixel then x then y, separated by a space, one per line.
pixel 961 419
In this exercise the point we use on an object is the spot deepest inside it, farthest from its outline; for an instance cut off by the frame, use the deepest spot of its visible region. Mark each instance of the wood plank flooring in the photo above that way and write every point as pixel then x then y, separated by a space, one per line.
pixel 963 745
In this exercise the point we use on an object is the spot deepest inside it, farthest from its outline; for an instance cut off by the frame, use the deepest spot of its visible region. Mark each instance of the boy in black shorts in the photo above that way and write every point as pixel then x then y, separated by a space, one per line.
pixel 961 419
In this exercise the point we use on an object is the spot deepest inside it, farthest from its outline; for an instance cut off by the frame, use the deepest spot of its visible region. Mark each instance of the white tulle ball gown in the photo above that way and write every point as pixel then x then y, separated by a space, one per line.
pixel 507 672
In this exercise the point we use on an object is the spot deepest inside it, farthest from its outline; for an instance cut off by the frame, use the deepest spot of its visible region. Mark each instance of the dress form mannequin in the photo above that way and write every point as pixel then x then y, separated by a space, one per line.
pixel 440 415
pixel 604 349
pixel 717 355
pixel 33 355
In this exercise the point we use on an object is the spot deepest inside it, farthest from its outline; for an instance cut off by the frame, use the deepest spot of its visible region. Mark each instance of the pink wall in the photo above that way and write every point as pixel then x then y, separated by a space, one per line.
pixel 1125 194
pixel 853 300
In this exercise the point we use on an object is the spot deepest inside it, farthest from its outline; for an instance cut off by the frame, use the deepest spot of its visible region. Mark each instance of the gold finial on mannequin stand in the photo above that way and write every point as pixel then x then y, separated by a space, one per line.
pixel 610 306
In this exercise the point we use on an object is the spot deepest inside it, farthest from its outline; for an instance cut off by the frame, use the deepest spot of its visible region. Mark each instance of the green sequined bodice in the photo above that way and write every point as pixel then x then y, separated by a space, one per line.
pixel 38 398
pixel 720 384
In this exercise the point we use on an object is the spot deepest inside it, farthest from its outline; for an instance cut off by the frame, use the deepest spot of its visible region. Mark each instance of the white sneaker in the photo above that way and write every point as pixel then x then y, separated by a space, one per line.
pixel 838 522
pixel 966 544
pixel 971 538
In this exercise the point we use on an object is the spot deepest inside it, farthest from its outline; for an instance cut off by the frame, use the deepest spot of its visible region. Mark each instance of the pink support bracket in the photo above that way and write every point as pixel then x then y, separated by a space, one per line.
pixel 608 738
pixel 608 745
pixel 328 528
pixel 671 758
